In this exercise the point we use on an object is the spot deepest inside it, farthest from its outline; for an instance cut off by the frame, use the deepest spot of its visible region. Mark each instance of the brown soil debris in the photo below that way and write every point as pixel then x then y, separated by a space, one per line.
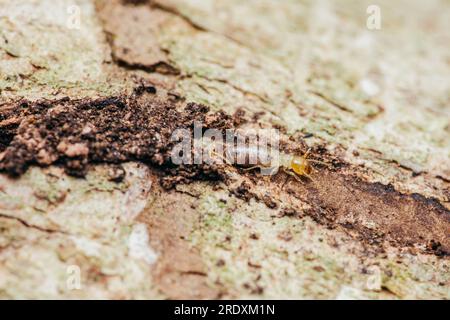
pixel 374 213
pixel 75 133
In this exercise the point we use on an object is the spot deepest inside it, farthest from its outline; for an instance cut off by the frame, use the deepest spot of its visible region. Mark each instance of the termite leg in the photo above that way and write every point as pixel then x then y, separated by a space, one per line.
pixel 309 177
pixel 293 174
pixel 307 153
pixel 252 168
pixel 320 162
pixel 305 156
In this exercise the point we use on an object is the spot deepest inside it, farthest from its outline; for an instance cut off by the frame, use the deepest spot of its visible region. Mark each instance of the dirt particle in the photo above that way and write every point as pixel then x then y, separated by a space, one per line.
pixel 269 202
pixel 436 248
pixel 288 212
pixel 254 236
pixel 143 88
pixel 254 265
pixel 243 191
pixel 73 150
pixel 116 173
pixel 319 268
pixel 44 157
pixel 285 235
pixel 220 263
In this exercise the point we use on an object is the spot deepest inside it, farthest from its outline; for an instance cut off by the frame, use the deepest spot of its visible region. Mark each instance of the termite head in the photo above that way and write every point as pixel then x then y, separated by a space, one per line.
pixel 300 166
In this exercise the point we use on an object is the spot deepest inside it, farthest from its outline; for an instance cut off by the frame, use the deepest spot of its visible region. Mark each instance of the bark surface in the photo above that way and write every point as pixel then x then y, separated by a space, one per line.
pixel 87 189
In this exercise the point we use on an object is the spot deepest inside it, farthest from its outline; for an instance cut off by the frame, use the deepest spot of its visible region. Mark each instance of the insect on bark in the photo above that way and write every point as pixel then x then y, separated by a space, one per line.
pixel 269 160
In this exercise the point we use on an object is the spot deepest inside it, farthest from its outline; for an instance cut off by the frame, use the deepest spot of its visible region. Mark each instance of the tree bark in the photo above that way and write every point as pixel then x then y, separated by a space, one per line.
pixel 373 104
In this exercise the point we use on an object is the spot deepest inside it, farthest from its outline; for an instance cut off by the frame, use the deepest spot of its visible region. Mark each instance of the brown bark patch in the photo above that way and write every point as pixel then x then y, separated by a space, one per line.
pixel 179 272
pixel 374 213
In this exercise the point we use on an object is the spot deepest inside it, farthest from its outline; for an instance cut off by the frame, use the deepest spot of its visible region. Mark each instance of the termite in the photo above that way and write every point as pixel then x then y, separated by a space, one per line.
pixel 270 160
pixel 296 166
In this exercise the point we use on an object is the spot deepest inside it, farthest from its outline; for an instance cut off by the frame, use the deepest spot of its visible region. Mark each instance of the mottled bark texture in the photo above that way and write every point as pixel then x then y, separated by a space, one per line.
pixel 86 184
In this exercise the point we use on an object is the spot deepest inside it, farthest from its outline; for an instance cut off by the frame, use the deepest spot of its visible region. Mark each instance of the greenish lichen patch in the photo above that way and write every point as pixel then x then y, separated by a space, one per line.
pixel 82 223
pixel 53 49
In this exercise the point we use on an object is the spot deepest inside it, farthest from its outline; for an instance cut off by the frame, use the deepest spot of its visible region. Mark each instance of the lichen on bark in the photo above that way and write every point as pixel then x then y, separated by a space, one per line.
pixel 373 103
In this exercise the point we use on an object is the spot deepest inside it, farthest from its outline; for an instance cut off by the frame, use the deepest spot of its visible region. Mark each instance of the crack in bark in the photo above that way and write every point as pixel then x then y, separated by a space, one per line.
pixel 173 11
pixel 160 67
pixel 28 225
pixel 330 101
pixel 243 91
pixel 414 173
pixel 196 26
pixel 194 273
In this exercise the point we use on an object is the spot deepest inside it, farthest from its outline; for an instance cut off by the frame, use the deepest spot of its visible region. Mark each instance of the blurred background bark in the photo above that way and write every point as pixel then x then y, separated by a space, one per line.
pixel 374 102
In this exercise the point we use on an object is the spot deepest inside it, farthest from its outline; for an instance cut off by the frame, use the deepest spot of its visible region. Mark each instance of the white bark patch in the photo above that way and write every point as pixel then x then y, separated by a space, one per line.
pixel 369 87
pixel 349 293
pixel 89 247
pixel 136 196
pixel 138 244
